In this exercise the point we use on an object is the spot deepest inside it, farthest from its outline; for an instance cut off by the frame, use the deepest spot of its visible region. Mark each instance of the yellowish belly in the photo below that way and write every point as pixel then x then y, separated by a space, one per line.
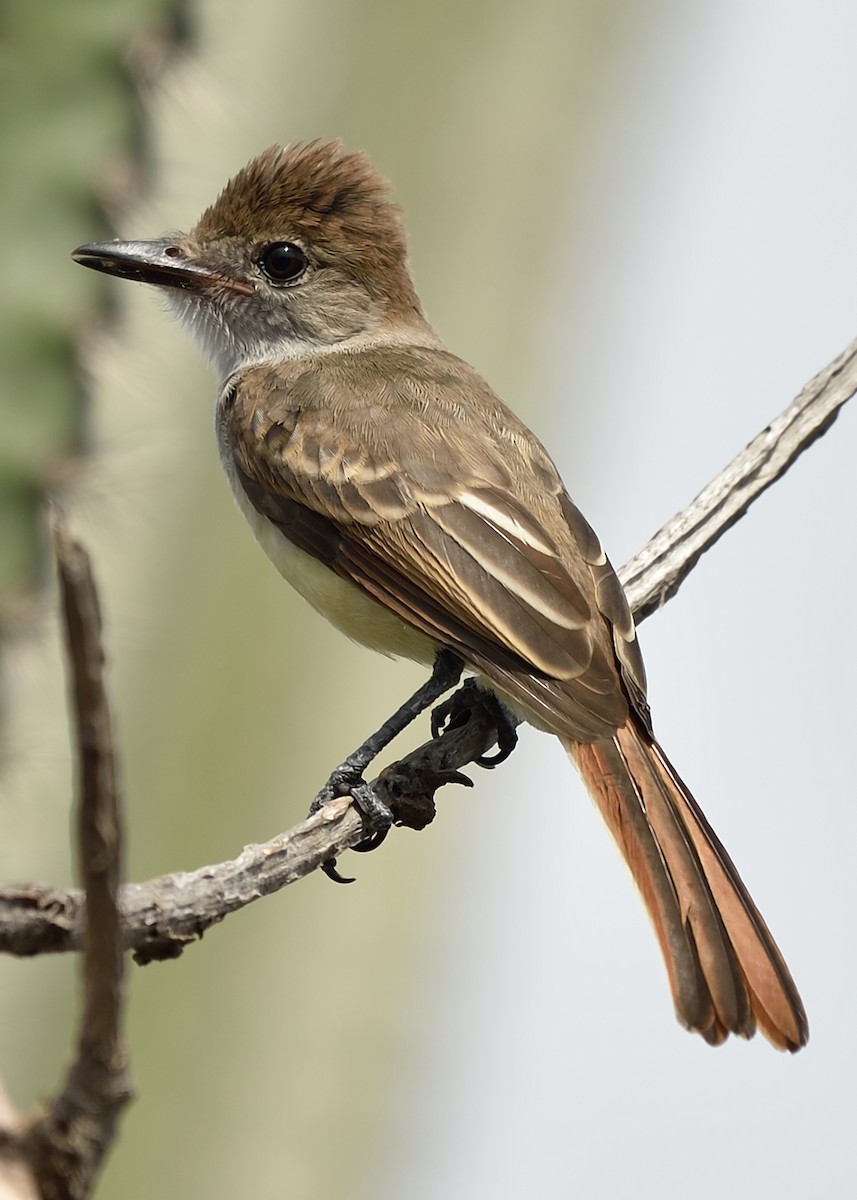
pixel 361 618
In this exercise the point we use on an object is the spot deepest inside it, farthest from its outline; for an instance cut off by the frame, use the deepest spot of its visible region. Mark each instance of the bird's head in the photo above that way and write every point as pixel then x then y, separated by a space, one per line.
pixel 302 251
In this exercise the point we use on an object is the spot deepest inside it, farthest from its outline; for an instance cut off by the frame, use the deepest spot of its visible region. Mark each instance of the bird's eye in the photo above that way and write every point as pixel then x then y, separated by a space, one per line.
pixel 283 262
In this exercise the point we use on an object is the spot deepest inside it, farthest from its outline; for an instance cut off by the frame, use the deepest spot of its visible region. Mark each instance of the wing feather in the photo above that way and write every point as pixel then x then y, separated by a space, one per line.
pixel 499 566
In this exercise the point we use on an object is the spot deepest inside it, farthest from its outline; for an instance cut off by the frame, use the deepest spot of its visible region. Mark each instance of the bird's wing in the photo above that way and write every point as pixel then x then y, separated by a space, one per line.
pixel 466 538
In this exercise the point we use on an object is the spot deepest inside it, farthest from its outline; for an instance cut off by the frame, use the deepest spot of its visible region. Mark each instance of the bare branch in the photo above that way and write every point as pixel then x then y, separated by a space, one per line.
pixel 161 916
pixel 64 1146
pixel 655 574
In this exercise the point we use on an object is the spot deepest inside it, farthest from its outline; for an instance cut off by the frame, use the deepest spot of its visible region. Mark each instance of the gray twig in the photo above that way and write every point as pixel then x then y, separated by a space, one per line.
pixel 64 1145
pixel 655 574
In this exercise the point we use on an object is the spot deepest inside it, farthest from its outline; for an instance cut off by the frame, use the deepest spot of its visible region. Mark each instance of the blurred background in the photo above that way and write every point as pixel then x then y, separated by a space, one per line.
pixel 637 220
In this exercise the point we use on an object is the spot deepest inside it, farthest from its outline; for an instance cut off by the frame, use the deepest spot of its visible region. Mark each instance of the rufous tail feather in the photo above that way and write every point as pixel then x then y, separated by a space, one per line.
pixel 725 970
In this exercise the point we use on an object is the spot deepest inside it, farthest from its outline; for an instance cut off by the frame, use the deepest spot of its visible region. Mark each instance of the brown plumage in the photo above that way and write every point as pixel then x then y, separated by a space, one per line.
pixel 332 201
pixel 725 970
pixel 403 499
pixel 541 615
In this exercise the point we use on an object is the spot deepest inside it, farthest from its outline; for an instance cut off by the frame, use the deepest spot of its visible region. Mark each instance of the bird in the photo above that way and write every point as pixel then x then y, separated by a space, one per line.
pixel 411 507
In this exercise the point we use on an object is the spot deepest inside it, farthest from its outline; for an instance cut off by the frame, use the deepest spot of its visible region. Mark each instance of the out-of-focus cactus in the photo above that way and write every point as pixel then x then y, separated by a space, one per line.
pixel 71 148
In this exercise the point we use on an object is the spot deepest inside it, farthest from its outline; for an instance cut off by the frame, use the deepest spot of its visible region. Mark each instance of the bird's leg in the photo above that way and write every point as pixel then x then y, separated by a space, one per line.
pixel 348 776
pixel 455 712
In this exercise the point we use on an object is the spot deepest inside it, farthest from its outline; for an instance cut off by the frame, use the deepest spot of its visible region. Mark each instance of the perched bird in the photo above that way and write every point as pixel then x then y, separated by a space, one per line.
pixel 413 509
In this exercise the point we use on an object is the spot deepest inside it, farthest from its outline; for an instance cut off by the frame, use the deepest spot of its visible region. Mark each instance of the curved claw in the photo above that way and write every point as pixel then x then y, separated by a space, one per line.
pixel 439 716
pixel 337 785
pixel 373 809
pixel 455 712
pixel 331 872
pixel 371 843
pixel 457 777
pixel 490 761
pixel 507 740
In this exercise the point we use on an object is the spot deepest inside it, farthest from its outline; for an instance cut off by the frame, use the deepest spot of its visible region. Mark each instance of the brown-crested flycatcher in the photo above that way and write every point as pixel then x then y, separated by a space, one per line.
pixel 402 498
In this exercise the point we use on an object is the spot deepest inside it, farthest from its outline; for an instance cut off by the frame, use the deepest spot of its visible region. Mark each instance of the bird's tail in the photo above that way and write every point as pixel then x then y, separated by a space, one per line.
pixel 725 971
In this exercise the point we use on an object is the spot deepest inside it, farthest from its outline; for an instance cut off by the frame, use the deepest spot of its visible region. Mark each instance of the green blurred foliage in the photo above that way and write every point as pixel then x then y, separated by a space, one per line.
pixel 70 143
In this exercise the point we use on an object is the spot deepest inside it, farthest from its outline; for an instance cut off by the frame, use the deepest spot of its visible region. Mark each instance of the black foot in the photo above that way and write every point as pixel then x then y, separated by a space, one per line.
pixel 348 781
pixel 348 776
pixel 344 782
pixel 445 675
pixel 455 712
